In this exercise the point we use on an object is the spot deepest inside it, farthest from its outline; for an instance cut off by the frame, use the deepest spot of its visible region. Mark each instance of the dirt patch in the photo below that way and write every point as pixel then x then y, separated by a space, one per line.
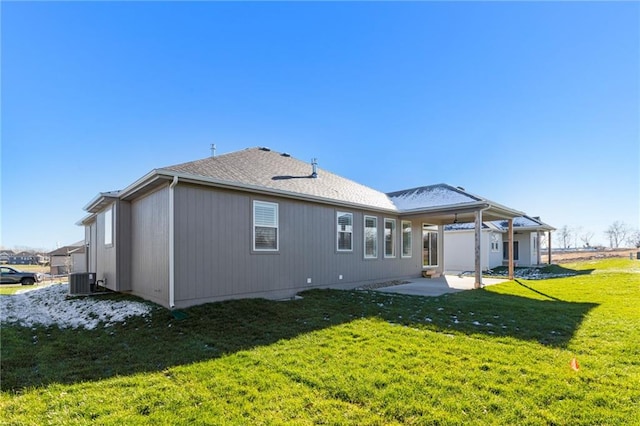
pixel 583 255
pixel 382 284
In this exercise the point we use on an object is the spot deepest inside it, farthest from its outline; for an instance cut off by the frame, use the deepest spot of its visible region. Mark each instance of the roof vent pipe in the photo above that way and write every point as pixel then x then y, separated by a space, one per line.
pixel 314 165
pixel 213 150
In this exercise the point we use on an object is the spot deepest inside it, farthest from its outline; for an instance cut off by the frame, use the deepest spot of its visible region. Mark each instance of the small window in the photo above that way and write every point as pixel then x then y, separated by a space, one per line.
pixel 495 242
pixel 406 238
pixel 345 231
pixel 370 237
pixel 389 238
pixel 108 226
pixel 265 226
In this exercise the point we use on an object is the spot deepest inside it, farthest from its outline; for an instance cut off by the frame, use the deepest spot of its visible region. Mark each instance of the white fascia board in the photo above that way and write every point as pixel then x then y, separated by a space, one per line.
pixel 507 212
pixel 449 208
pixel 86 220
pixel 99 199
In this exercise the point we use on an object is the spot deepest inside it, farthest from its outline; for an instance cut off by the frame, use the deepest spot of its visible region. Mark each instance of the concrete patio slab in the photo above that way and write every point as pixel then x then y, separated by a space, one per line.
pixel 437 286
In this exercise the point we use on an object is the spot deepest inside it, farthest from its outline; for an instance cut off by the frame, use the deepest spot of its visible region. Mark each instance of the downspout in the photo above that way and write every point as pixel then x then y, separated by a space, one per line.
pixel 171 243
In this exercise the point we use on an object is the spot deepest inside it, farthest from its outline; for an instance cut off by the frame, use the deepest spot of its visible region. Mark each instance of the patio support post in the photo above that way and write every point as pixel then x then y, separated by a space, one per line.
pixel 478 238
pixel 510 248
pixel 549 246
pixel 441 250
pixel 538 253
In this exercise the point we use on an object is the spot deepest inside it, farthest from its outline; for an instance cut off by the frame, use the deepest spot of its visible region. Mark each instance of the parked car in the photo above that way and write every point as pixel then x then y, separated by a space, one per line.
pixel 10 275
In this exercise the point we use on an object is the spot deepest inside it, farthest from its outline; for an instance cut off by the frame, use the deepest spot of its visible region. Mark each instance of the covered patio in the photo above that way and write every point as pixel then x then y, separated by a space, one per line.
pixel 439 205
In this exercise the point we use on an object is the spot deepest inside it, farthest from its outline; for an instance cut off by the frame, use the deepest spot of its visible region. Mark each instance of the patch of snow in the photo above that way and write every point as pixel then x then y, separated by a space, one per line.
pixel 425 197
pixel 50 306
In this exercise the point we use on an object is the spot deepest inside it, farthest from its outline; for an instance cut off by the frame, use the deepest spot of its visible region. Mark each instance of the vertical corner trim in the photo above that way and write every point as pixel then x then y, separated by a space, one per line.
pixel 172 273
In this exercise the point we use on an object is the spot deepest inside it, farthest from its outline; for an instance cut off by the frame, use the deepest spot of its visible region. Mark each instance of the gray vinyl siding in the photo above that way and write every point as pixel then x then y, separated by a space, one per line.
pixel 106 254
pixel 150 246
pixel 122 226
pixel 111 262
pixel 91 239
pixel 214 258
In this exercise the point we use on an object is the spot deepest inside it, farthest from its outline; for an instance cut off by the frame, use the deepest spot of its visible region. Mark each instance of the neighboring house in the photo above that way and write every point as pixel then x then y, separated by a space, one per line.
pixel 527 232
pixel 459 249
pixel 23 258
pixel 68 259
pixel 4 257
pixel 257 223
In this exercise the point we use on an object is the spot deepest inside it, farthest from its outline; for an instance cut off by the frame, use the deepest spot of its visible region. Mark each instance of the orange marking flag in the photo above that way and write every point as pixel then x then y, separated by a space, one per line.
pixel 574 364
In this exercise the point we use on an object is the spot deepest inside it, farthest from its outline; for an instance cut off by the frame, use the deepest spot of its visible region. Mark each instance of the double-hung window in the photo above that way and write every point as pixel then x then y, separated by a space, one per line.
pixel 389 238
pixel 406 238
pixel 495 242
pixel 265 226
pixel 344 225
pixel 370 237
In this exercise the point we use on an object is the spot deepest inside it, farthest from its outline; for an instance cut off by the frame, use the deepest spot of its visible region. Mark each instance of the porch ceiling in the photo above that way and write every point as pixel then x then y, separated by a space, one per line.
pixel 462 214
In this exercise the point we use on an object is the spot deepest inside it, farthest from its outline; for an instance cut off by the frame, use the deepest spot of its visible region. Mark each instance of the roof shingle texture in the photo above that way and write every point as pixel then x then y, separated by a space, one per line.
pixel 271 170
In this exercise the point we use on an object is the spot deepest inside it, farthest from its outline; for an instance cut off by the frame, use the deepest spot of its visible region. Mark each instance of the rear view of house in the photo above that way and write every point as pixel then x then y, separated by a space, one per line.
pixel 257 223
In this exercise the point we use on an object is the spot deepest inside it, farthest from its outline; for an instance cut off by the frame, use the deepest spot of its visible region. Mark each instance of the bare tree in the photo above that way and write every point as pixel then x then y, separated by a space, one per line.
pixel 565 237
pixel 586 237
pixel 634 239
pixel 618 233
pixel 543 241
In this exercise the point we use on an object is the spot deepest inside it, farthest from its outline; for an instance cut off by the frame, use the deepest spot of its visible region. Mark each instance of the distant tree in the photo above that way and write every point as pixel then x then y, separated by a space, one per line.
pixel 564 236
pixel 586 237
pixel 618 232
pixel 634 239
pixel 544 243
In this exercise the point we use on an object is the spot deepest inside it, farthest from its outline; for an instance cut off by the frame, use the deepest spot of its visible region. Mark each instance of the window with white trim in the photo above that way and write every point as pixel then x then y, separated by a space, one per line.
pixel 370 237
pixel 495 242
pixel 429 245
pixel 406 238
pixel 265 226
pixel 344 224
pixel 389 238
pixel 108 226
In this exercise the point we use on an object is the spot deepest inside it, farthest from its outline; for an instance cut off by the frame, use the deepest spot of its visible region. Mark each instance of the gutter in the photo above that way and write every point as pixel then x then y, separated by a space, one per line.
pixel 172 269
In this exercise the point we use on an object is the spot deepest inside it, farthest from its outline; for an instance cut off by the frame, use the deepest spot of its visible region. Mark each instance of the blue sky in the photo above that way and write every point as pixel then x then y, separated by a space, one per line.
pixel 532 105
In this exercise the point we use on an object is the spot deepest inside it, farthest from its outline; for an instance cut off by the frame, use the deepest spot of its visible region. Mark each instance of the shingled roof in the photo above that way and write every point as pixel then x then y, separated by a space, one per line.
pixel 262 168
pixel 431 196
pixel 527 223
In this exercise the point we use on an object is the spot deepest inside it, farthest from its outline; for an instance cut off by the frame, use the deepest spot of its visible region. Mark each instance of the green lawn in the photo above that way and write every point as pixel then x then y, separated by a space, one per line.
pixel 495 356
pixel 11 288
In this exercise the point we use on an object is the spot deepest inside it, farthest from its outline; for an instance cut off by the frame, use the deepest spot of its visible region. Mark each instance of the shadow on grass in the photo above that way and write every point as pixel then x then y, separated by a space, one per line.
pixel 33 357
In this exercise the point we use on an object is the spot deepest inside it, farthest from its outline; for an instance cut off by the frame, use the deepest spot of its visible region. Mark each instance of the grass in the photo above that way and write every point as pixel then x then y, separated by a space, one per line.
pixel 30 268
pixel 6 289
pixel 495 356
